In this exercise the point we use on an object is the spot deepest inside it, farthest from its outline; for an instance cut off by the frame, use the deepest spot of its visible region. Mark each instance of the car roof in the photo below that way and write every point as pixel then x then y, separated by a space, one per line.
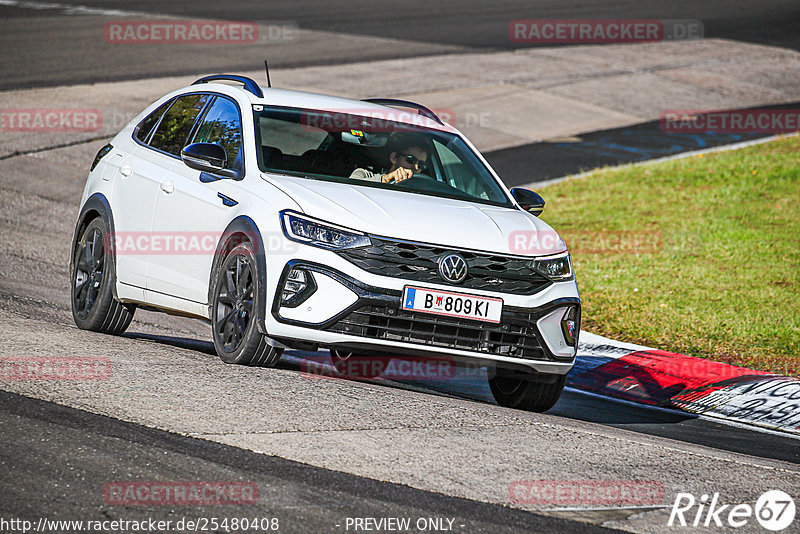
pixel 321 102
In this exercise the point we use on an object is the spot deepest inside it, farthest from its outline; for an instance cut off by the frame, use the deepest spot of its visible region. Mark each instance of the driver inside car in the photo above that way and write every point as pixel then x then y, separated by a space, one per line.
pixel 408 157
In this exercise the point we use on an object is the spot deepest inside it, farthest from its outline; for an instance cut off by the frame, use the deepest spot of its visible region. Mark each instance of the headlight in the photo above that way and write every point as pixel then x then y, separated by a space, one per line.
pixel 556 268
pixel 320 234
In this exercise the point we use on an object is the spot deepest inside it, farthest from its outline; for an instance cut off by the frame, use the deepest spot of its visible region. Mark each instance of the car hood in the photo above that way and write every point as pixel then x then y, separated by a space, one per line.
pixel 417 217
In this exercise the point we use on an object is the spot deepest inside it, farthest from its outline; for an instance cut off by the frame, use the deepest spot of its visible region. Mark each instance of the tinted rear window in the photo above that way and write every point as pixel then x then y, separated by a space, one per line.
pixel 175 127
pixel 146 126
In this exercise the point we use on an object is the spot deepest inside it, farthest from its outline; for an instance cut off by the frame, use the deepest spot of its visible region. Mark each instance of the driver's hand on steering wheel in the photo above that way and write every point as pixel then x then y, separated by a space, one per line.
pixel 397 175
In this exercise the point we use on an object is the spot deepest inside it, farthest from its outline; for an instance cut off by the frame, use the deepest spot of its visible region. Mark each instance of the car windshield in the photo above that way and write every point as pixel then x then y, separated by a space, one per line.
pixel 365 150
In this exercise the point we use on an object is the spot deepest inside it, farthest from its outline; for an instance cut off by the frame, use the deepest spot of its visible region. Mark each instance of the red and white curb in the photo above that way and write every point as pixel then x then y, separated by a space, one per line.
pixel 658 378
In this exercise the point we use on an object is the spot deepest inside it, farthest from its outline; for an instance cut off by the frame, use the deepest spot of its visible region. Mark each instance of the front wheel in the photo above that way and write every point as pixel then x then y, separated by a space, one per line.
pixel 93 304
pixel 233 313
pixel 521 392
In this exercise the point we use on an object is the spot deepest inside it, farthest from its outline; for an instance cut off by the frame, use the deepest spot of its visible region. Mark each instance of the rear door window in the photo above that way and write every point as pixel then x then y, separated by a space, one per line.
pixel 175 127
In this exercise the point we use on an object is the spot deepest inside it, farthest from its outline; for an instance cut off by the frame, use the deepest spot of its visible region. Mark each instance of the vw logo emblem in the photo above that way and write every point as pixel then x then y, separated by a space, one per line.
pixel 453 268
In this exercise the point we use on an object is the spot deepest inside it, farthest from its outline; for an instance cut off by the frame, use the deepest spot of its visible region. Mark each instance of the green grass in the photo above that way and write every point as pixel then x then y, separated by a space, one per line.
pixel 717 273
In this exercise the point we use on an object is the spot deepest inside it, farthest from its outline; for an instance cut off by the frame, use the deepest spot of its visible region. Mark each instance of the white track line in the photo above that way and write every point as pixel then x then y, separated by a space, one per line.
pixel 69 9
pixel 672 411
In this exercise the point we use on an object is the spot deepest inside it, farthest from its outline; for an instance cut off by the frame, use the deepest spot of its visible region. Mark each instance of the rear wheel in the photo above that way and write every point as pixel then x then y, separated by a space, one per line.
pixel 93 304
pixel 233 314
pixel 515 390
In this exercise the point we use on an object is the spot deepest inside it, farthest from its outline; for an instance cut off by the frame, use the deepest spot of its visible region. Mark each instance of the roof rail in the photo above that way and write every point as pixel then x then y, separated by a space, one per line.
pixel 422 110
pixel 249 84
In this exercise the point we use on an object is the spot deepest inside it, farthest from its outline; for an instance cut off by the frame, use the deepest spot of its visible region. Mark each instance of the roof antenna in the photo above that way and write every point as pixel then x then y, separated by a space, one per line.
pixel 266 68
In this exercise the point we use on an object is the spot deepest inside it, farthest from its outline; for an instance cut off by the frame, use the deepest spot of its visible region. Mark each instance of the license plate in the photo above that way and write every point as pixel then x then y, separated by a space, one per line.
pixel 452 304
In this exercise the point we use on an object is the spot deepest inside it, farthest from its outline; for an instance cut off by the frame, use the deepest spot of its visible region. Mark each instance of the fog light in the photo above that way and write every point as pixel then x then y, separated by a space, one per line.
pixel 298 286
pixel 570 326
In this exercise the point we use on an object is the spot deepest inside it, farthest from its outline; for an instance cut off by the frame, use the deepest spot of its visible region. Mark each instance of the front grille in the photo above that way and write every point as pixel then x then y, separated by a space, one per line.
pixel 419 262
pixel 514 337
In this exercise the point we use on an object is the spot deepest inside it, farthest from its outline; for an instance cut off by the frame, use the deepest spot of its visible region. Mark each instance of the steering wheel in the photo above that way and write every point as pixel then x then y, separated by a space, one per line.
pixel 424 183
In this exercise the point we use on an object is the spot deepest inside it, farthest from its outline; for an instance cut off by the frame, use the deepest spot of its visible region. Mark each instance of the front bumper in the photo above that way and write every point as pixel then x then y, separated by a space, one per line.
pixel 345 312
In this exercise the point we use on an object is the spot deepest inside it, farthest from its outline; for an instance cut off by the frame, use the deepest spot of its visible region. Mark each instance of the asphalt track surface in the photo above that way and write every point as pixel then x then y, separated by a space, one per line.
pixel 58 462
pixel 52 49
pixel 536 162
pixel 42 479
pixel 55 459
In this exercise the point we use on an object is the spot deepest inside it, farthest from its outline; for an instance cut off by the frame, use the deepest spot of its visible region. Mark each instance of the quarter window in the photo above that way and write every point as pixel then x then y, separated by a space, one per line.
pixel 175 127
pixel 146 126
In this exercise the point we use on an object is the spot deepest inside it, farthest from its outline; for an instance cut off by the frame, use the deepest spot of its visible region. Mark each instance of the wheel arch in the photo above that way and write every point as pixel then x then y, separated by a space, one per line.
pixel 96 206
pixel 239 230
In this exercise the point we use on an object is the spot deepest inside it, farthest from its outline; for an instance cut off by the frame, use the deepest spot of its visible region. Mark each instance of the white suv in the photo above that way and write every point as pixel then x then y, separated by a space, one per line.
pixel 291 219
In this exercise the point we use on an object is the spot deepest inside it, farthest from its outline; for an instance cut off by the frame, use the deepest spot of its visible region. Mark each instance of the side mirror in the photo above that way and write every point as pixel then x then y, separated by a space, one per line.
pixel 207 157
pixel 528 200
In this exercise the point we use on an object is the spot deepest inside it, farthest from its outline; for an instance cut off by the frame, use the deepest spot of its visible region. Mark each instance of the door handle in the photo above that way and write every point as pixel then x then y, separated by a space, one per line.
pixel 125 171
pixel 167 187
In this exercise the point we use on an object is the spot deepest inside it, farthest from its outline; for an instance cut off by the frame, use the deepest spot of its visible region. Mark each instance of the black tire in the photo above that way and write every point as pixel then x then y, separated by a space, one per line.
pixel 355 365
pixel 514 390
pixel 233 312
pixel 92 277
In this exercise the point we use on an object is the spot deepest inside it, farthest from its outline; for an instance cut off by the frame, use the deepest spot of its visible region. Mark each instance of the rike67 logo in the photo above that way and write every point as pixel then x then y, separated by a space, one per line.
pixel 774 510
